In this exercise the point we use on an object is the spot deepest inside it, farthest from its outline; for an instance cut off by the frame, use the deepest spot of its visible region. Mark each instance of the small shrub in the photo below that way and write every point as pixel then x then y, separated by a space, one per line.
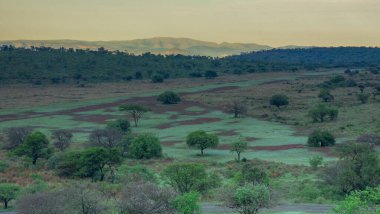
pixel 210 74
pixel 145 146
pixel 157 79
pixel 188 203
pixel 363 98
pixel 121 124
pixel 279 100
pixel 315 161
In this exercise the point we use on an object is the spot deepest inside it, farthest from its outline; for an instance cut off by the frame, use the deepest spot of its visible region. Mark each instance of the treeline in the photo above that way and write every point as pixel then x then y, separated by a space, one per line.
pixel 318 57
pixel 42 65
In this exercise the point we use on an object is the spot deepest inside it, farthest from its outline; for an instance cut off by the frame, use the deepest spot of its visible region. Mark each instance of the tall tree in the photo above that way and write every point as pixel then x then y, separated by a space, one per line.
pixel 34 147
pixel 135 111
pixel 201 140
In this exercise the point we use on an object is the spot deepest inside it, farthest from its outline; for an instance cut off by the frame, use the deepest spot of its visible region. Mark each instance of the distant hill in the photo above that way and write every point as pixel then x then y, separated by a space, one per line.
pixel 157 45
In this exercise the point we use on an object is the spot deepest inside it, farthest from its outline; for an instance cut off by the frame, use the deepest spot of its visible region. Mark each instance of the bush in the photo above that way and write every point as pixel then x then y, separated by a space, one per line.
pixel 279 100
pixel 157 79
pixel 321 138
pixel 188 203
pixel 366 201
pixel 321 113
pixel 325 95
pixel 210 74
pixel 315 161
pixel 121 124
pixel 3 166
pixel 145 146
pixel 169 97
pixel 195 74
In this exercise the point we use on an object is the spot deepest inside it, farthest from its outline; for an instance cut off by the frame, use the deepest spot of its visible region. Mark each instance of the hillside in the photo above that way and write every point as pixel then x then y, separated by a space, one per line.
pixel 157 45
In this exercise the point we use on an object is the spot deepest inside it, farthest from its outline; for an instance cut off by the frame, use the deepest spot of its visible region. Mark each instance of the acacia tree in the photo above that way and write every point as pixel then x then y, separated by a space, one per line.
pixel 237 108
pixel 34 147
pixel 62 139
pixel 201 140
pixel 135 111
pixel 106 138
pixel 238 147
pixel 8 192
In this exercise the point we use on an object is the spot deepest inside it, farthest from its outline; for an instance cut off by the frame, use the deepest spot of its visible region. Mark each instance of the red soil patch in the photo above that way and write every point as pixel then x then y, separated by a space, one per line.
pixel 250 139
pixel 224 146
pixel 278 148
pixel 173 117
pixel 92 118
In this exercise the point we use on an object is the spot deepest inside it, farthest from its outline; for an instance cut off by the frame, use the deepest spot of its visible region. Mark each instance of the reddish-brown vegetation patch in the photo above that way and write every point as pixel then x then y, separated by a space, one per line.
pixel 250 139
pixel 189 122
pixel 227 133
pixel 170 142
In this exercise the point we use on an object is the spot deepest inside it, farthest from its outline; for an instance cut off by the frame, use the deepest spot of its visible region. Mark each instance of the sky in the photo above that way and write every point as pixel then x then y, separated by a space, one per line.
pixel 270 22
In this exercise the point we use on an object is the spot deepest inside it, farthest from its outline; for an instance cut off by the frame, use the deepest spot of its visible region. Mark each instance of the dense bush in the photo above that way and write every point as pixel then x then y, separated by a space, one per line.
pixel 187 203
pixel 279 100
pixel 122 124
pixel 145 146
pixel 169 97
pixel 326 95
pixel 320 138
pixel 34 147
pixel 157 78
pixel 210 74
pixel 363 98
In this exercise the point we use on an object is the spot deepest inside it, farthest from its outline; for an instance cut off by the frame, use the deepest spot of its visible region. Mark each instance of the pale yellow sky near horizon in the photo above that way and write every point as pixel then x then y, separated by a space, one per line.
pixel 271 22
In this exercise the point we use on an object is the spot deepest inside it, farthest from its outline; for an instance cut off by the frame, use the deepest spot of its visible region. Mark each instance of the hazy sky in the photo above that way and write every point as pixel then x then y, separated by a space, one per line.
pixel 273 22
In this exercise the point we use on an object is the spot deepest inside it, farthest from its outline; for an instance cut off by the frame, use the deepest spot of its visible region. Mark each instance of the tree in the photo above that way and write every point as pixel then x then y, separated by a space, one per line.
pixel 17 136
pixel 106 138
pixel 62 139
pixel 239 147
pixel 363 98
pixel 249 199
pixel 237 108
pixel 320 138
pixel 187 203
pixel 92 163
pixel 8 192
pixel 325 95
pixel 210 74
pixel 321 113
pixel 142 198
pixel 169 97
pixel 145 146
pixel 361 88
pixel 135 111
pixel 34 147
pixel 358 168
pixel 365 201
pixel 254 175
pixel 201 140
pixel 157 78
pixel 120 124
pixel 279 100
pixel 185 177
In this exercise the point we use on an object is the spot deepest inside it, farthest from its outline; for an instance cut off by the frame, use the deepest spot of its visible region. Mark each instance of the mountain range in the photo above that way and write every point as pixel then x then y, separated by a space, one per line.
pixel 157 45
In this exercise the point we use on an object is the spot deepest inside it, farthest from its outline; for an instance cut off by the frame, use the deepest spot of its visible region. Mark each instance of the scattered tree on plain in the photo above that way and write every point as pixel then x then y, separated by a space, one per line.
pixel 326 95
pixel 237 108
pixel 34 147
pixel 145 146
pixel 135 111
pixel 239 147
pixel 321 113
pixel 201 140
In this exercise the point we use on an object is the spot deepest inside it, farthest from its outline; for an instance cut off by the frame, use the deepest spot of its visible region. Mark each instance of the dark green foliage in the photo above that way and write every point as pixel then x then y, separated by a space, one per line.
pixel 121 124
pixel 157 78
pixel 187 203
pixel 135 111
pixel 365 201
pixel 93 163
pixel 210 74
pixel 145 146
pixel 249 199
pixel 169 97
pixel 196 74
pixel 254 175
pixel 279 100
pixel 363 98
pixel 361 88
pixel 320 138
pixel 321 113
pixel 201 140
pixel 357 169
pixel 34 147
pixel 8 192
pixel 185 177
pixel 325 95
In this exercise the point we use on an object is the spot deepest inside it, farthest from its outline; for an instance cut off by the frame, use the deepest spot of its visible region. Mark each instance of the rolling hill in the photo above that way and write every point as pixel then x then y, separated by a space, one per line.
pixel 157 45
